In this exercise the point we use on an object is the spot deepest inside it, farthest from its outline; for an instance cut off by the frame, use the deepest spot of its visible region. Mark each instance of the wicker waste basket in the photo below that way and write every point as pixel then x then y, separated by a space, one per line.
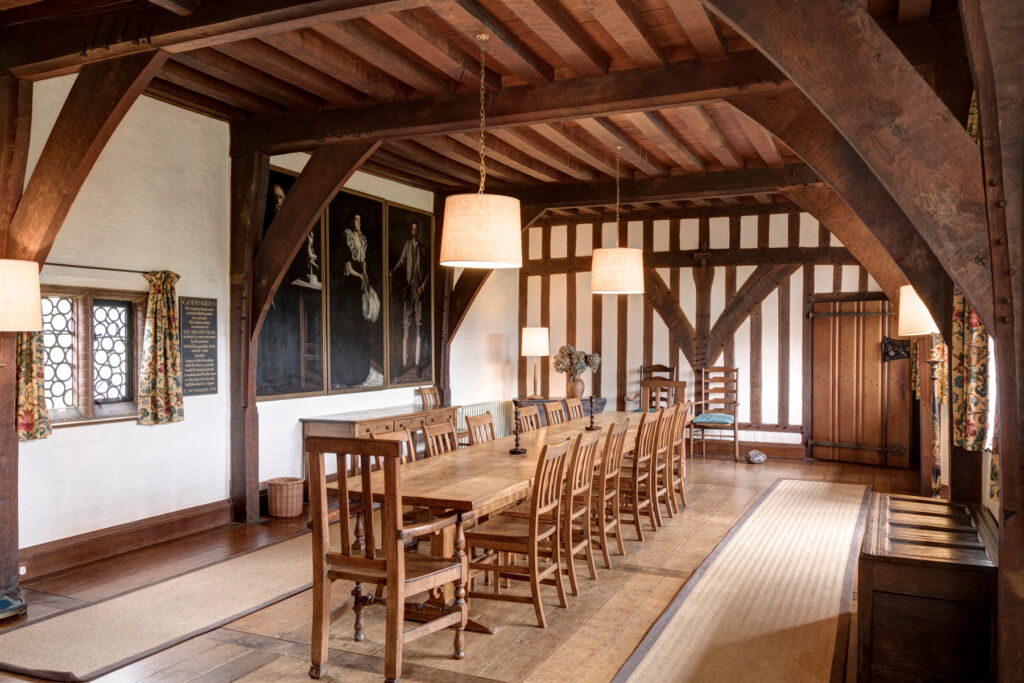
pixel 284 497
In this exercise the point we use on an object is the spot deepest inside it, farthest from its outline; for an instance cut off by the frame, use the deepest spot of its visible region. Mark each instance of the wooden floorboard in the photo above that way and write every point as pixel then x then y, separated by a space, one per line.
pixel 588 641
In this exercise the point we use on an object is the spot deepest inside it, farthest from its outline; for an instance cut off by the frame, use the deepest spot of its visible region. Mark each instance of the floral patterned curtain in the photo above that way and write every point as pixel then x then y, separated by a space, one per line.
pixel 970 376
pixel 160 397
pixel 33 419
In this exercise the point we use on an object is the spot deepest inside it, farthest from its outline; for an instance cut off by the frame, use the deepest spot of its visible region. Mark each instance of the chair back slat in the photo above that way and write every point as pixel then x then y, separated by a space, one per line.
pixel 580 476
pixel 574 408
pixel 547 482
pixel 666 428
pixel 611 461
pixel 645 441
pixel 481 428
pixel 554 412
pixel 405 441
pixel 529 418
pixel 441 438
pixel 429 398
pixel 670 372
pixel 366 498
pixel 658 393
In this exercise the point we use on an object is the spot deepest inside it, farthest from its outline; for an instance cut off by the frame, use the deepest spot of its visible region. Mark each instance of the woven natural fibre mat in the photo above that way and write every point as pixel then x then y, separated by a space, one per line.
pixel 90 641
pixel 772 602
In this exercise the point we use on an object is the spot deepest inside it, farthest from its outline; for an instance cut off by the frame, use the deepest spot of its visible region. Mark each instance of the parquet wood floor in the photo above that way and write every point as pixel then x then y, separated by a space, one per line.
pixel 588 641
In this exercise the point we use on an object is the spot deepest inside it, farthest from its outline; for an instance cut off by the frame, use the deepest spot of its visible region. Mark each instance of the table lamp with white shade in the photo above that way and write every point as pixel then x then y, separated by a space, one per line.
pixel 535 344
pixel 20 311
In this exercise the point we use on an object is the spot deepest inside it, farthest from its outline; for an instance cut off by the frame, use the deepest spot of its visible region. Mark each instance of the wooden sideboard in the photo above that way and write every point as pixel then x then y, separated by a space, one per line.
pixel 363 423
pixel 926 591
pixel 599 404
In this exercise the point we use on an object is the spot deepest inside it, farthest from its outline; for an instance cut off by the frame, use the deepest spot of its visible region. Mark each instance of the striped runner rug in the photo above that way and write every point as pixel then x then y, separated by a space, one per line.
pixel 772 601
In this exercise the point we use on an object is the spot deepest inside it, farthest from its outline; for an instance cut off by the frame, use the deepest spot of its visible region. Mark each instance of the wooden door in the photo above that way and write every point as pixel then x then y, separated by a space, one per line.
pixel 861 406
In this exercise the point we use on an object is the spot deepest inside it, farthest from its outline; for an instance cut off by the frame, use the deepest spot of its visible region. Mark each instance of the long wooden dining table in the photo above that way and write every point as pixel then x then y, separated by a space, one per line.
pixel 483 478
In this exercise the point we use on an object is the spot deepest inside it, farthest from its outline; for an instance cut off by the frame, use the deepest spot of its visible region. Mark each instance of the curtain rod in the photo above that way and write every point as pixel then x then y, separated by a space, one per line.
pixel 118 270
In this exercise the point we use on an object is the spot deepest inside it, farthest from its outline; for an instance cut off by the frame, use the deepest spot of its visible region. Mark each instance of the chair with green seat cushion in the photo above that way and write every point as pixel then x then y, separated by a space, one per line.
pixel 718 407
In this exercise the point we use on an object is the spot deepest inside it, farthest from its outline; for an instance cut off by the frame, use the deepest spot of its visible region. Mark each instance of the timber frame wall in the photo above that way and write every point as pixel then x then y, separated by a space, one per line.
pixel 746 254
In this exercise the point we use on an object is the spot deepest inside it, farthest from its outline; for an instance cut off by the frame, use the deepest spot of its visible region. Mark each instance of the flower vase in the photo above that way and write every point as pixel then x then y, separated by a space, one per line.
pixel 574 387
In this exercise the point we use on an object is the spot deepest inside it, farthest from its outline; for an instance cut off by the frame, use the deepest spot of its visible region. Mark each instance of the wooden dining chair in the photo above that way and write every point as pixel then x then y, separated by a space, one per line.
pixel 636 484
pixel 554 412
pixel 607 509
pixel 574 408
pixel 683 421
pixel 441 438
pixel 481 428
pixel 405 441
pixel 429 398
pixel 718 409
pixel 529 418
pixel 402 574
pixel 661 482
pixel 538 538
pixel 576 526
pixel 670 372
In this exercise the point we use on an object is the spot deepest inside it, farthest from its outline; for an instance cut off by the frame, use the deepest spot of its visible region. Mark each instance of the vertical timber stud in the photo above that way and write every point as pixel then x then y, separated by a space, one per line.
pixel 249 175
pixel 545 305
pixel 673 246
pixel 703 274
pixel 648 308
pixel 993 31
pixel 570 286
pixel 15 123
pixel 596 314
pixel 443 283
pixel 622 330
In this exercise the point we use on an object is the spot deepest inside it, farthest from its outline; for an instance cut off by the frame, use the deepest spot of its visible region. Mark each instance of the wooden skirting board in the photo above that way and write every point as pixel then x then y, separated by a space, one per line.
pixel 774 450
pixel 49 558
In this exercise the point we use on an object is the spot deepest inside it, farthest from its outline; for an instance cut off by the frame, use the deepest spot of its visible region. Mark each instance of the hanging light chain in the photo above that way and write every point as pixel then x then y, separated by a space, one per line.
pixel 618 192
pixel 483 114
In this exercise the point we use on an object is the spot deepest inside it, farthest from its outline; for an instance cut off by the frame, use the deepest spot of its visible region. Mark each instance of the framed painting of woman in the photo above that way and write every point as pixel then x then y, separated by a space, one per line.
pixel 355 300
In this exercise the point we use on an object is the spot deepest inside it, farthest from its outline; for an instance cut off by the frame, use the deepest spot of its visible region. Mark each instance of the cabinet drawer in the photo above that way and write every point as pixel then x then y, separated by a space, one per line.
pixel 410 423
pixel 376 427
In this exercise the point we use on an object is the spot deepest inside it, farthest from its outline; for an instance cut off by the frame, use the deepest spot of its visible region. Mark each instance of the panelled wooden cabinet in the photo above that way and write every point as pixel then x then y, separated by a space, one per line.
pixel 926 591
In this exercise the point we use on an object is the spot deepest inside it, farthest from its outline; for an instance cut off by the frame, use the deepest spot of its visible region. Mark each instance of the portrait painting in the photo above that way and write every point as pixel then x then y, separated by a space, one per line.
pixel 410 296
pixel 356 291
pixel 290 348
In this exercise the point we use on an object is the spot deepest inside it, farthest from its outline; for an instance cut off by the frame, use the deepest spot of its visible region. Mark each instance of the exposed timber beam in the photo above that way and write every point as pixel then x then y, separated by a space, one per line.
pixel 63 44
pixel 99 99
pixel 667 306
pixel 897 124
pixel 323 175
pixel 592 215
pixel 699 28
pixel 762 282
pixel 563 34
pixel 708 185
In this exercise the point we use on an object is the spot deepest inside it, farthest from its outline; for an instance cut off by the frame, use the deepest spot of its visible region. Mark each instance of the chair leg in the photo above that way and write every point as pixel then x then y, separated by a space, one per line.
pixel 570 558
pixel 602 533
pixel 556 557
pixel 652 496
pixel 590 546
pixel 617 507
pixel 636 514
pixel 393 627
pixel 538 605
pixel 357 607
pixel 736 445
pixel 321 626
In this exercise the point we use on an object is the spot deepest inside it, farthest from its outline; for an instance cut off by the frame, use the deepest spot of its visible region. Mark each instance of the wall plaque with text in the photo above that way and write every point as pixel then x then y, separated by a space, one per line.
pixel 198 345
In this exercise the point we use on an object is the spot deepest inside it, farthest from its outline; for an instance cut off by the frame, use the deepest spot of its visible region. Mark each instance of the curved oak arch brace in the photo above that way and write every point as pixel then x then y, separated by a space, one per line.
pixel 889 115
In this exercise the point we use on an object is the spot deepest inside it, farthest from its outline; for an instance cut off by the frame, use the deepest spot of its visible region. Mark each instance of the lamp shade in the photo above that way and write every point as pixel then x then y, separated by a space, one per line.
pixel 617 271
pixel 914 318
pixel 535 341
pixel 482 231
pixel 20 303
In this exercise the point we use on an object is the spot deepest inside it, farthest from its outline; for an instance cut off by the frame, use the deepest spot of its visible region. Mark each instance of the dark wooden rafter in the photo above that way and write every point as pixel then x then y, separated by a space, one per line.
pixel 323 175
pixel 538 147
pixel 469 155
pixel 993 31
pixel 560 135
pixel 249 175
pixel 63 44
pixel 614 138
pixel 472 280
pixel 15 126
pixel 556 27
pixel 666 304
pixel 201 82
pixel 699 209
pixel 699 28
pixel 630 30
pixel 501 151
pixel 414 151
pixel 925 160
pixel 99 99
pixel 219 65
pixel 709 135
pixel 659 131
pixel 913 12
pixel 168 92
pixel 762 282
pixel 793 119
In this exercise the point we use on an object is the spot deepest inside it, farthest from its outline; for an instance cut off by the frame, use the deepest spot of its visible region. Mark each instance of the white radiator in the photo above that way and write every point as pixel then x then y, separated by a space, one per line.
pixel 501 412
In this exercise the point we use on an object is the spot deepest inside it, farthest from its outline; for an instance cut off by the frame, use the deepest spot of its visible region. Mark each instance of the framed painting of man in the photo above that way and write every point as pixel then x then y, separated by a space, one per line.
pixel 290 358
pixel 355 300
pixel 410 310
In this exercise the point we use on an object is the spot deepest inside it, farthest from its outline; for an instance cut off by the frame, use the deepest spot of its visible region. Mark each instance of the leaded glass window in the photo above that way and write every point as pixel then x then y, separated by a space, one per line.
pixel 111 351
pixel 59 341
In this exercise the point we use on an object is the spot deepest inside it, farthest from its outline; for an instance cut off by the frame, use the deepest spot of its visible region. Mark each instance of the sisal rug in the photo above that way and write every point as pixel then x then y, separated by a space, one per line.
pixel 87 642
pixel 770 601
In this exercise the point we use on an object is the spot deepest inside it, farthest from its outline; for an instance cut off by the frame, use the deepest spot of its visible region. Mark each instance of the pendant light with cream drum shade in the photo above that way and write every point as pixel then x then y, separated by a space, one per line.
pixel 482 230
pixel 618 270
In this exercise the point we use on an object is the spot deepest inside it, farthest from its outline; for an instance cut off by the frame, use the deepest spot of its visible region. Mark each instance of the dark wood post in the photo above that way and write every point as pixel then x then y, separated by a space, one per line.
pixel 443 284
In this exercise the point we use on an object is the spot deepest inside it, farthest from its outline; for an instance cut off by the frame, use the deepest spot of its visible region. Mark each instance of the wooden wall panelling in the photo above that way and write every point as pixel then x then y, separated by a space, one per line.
pixel 621 345
pixel 570 287
pixel 597 314
pixel 822 394
pixel 545 308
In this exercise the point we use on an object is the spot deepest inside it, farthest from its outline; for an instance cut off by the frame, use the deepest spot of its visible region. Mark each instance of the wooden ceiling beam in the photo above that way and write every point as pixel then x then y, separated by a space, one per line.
pixel 695 258
pixel 912 12
pixel 563 34
pixel 242 75
pixel 625 24
pixel 614 137
pixel 702 126
pixel 357 37
pixel 470 156
pixel 286 68
pixel 426 172
pixel 925 159
pixel 760 139
pixel 168 92
pixel 560 135
pixel 471 18
pixel 607 215
pixel 62 44
pixel 435 48
pixel 762 282
pixel 661 133
pixel 214 88
pixel 182 8
pixel 324 55
pixel 699 28
pixel 691 186
pixel 413 151
pixel 379 169
pixel 538 148
pixel 499 150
